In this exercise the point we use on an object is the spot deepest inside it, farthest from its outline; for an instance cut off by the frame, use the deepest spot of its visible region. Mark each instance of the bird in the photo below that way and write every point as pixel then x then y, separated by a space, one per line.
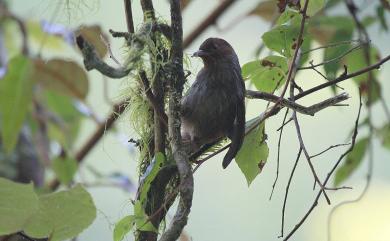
pixel 214 106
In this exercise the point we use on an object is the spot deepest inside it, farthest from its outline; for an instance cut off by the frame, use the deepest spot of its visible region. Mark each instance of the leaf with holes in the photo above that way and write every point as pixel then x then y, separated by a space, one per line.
pixel 352 161
pixel 253 154
pixel 267 74
pixel 15 99
pixel 283 37
pixel 65 77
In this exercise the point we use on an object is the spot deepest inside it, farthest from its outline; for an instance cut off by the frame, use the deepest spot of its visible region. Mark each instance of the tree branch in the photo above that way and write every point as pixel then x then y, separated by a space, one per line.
pixel 343 77
pixel 118 109
pixel 129 16
pixel 92 61
pixel 315 202
pixel 181 158
pixel 311 110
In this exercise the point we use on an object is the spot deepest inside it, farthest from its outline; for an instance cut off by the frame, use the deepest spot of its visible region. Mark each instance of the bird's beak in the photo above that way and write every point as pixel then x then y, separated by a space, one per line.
pixel 199 53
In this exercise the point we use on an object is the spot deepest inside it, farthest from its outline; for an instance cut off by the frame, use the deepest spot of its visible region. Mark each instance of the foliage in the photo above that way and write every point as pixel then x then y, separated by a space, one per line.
pixel 15 91
pixel 62 215
pixel 47 98
pixel 253 154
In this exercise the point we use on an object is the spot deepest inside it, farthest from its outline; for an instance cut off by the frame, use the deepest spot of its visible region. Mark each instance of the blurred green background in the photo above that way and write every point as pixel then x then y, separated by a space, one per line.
pixel 224 207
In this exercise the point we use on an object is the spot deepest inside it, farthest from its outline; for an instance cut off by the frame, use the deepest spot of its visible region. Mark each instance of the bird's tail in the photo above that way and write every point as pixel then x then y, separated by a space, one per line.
pixel 237 137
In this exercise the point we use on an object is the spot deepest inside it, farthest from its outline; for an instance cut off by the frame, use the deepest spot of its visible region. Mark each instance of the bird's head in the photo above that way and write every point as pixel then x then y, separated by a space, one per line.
pixel 215 50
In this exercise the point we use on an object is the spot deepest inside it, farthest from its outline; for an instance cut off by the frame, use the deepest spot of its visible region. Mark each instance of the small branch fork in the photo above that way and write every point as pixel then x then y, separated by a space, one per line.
pixel 315 202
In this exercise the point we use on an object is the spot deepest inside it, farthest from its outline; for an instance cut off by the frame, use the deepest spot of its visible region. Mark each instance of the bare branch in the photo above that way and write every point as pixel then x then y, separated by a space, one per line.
pixel 92 61
pixel 129 16
pixel 287 189
pixel 329 148
pixel 315 202
pixel 332 60
pixel 118 109
pixel 343 77
pixel 306 153
pixel 278 155
pixel 311 110
pixel 152 99
pixel 331 45
pixel 181 158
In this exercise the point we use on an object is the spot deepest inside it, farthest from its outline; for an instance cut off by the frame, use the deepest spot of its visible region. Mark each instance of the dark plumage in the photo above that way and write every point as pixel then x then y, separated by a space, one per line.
pixel 214 106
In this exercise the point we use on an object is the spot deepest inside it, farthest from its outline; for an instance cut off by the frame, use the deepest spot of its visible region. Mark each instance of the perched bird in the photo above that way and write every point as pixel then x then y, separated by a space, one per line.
pixel 214 105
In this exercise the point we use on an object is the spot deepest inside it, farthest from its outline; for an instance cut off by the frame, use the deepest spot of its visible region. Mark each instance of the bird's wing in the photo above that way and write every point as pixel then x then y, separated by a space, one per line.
pixel 238 134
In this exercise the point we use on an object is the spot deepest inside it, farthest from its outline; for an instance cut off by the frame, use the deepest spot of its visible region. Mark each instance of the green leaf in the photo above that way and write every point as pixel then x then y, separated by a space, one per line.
pixel 282 38
pixel 66 129
pixel 62 215
pixel 17 203
pixel 382 19
pixel 94 35
pixel 65 77
pixel 36 34
pixel 149 175
pixel 267 74
pixel 314 6
pixel 141 219
pixel 356 61
pixel 289 17
pixel 15 98
pixel 332 3
pixel 332 29
pixel 306 45
pixel 64 168
pixel 384 134
pixel 253 154
pixel 352 161
pixel 123 227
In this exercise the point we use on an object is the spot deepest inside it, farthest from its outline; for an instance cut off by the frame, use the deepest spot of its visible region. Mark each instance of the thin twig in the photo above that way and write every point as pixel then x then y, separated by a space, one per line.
pixel 278 155
pixel 118 109
pixel 292 67
pixel 315 202
pixel 305 152
pixel 363 36
pixel 287 189
pixel 152 99
pixel 329 148
pixel 343 77
pixel 331 45
pixel 331 60
pixel 311 110
pixel 288 121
